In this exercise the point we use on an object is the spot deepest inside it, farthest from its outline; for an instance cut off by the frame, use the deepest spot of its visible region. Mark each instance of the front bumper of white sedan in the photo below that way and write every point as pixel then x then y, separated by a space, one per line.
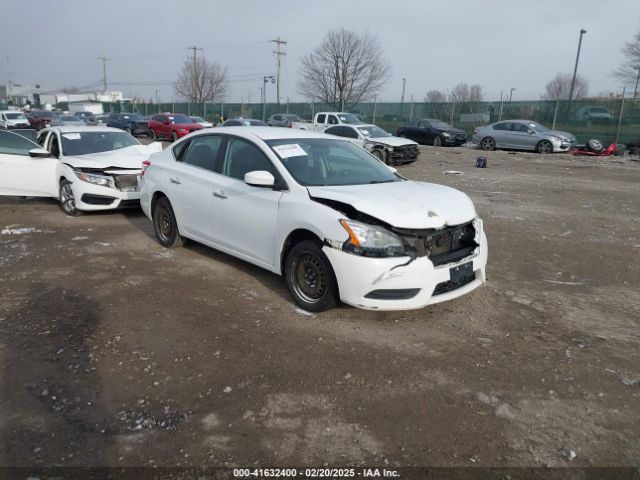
pixel 374 283
pixel 89 197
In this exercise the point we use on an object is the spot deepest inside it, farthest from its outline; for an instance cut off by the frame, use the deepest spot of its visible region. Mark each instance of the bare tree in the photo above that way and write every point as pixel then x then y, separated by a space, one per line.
pixel 560 86
pixel 462 97
pixel 200 81
pixel 345 69
pixel 628 72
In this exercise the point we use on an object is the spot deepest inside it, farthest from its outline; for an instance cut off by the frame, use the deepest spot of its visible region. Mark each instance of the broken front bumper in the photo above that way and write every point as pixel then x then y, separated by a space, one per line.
pixel 374 283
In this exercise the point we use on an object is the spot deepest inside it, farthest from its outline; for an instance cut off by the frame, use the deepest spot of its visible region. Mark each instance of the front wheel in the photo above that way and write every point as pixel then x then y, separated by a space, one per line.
pixel 544 146
pixel 380 155
pixel 151 134
pixel 165 225
pixel 437 141
pixel 310 278
pixel 488 143
pixel 67 199
pixel 174 136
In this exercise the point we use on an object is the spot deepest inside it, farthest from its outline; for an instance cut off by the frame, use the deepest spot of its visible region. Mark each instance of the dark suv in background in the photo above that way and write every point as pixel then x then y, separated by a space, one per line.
pixel 134 123
pixel 40 119
pixel 431 131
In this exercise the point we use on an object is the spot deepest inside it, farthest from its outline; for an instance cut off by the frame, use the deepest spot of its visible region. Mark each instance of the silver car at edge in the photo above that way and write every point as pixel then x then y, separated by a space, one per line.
pixel 523 135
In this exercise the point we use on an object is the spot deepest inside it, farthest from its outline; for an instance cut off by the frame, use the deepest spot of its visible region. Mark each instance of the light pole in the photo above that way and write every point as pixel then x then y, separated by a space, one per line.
pixel 575 69
pixel 510 97
pixel 404 84
pixel 266 79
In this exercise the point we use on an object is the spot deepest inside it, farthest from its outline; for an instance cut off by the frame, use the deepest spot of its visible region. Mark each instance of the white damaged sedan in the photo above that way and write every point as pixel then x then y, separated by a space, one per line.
pixel 87 168
pixel 336 222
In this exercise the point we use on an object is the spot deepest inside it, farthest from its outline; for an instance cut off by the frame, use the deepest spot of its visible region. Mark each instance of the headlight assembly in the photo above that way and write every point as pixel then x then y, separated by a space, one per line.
pixel 371 241
pixel 95 179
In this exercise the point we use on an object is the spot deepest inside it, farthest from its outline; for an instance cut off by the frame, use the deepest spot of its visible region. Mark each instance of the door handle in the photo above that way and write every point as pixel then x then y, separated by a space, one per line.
pixel 219 194
pixel 175 180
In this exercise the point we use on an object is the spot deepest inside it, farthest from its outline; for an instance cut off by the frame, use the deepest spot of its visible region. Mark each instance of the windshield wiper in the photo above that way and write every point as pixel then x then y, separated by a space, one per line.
pixel 381 181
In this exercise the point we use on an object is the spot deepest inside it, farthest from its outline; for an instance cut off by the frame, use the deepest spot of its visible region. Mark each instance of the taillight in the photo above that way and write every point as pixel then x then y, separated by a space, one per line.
pixel 475 130
pixel 145 165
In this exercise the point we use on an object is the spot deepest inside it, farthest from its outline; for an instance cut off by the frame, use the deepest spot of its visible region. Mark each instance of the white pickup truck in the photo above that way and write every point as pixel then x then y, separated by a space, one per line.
pixel 324 120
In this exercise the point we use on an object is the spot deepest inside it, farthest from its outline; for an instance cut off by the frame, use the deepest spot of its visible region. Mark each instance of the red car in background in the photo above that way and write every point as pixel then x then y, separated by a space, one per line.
pixel 171 126
pixel 40 119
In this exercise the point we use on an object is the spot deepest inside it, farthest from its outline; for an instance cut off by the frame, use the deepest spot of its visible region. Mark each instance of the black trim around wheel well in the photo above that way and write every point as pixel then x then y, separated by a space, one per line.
pixel 292 239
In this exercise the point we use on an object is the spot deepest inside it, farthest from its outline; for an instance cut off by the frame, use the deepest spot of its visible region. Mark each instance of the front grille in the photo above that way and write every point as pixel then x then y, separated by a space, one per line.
pixel 97 199
pixel 405 152
pixel 126 182
pixel 446 245
pixel 449 286
pixel 461 136
pixel 392 294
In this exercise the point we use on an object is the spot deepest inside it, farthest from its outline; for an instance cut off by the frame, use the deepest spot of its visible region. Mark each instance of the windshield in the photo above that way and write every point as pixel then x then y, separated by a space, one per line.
pixel 349 118
pixel 197 119
pixel 180 119
pixel 440 124
pixel 598 110
pixel 537 127
pixel 292 118
pixel 133 117
pixel 84 143
pixel 327 162
pixel 15 116
pixel 373 131
pixel 45 114
pixel 70 118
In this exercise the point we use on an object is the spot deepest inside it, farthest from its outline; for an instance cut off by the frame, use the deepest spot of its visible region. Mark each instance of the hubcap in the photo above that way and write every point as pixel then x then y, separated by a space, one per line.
pixel 66 198
pixel 545 147
pixel 309 277
pixel 488 144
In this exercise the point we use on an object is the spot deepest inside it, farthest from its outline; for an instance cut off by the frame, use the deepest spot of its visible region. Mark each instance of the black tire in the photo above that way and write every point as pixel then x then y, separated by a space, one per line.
pixel 488 143
pixel 67 199
pixel 310 278
pixel 165 225
pixel 436 141
pixel 129 131
pixel 174 136
pixel 151 134
pixel 595 145
pixel 544 147
pixel 380 155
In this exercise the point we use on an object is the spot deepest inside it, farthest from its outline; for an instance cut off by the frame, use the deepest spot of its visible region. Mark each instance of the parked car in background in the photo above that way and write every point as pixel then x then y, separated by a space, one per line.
pixel 244 122
pixel 13 119
pixel 41 118
pixel 171 126
pixel 86 168
pixel 102 119
pixel 201 121
pixel 594 115
pixel 384 146
pixel 84 116
pixel 322 120
pixel 68 119
pixel 432 131
pixel 133 123
pixel 287 120
pixel 332 220
pixel 523 135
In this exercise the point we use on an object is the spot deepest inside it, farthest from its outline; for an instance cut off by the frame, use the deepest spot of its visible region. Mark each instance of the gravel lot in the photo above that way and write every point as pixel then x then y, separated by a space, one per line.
pixel 114 351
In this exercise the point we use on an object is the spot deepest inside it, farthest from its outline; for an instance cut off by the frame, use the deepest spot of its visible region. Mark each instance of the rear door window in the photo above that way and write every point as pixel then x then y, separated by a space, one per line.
pixel 202 152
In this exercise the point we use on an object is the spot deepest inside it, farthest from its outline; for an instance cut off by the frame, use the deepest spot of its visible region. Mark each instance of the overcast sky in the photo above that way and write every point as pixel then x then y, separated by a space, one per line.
pixel 433 44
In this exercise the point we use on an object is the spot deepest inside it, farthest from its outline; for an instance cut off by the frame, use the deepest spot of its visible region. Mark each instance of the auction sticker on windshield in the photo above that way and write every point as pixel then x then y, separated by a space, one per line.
pixel 71 136
pixel 292 150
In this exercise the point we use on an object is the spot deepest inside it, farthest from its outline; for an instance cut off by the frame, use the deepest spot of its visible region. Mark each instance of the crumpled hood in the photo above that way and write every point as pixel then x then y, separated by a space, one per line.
pixel 560 133
pixel 128 157
pixel 405 204
pixel 392 141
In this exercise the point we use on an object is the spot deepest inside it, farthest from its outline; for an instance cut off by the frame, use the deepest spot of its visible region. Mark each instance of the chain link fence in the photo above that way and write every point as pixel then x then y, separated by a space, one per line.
pixel 609 120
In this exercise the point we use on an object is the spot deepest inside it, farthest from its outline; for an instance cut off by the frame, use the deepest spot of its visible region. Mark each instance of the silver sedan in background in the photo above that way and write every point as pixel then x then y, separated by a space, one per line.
pixel 523 135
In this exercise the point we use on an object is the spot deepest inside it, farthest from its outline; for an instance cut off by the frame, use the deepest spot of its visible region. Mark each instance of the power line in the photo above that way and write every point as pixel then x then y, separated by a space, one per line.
pixel 279 53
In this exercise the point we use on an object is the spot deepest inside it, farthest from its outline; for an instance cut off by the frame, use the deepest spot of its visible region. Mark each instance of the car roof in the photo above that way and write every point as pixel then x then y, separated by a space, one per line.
pixel 81 129
pixel 11 111
pixel 265 133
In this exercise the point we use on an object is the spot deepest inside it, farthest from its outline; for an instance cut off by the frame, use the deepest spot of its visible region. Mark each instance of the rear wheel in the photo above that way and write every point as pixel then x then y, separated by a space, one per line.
pixel 129 131
pixel 174 136
pixel 165 225
pixel 436 141
pixel 488 143
pixel 151 134
pixel 310 278
pixel 544 146
pixel 67 199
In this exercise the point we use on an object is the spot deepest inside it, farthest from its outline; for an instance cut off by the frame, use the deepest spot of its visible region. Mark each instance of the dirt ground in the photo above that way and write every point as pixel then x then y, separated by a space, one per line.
pixel 117 352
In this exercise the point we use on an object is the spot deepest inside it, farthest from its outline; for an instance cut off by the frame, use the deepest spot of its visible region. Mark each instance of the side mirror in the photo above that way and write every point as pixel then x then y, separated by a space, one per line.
pixel 39 153
pixel 530 132
pixel 259 178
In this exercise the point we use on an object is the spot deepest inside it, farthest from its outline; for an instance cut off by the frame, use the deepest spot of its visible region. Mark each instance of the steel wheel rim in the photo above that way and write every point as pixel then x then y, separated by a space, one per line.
pixel 309 277
pixel 67 200
pixel 165 223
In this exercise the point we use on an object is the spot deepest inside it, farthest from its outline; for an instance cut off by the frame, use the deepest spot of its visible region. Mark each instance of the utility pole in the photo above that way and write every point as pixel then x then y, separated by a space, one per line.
pixel 194 75
pixel 404 84
pixel 279 54
pixel 575 69
pixel 104 72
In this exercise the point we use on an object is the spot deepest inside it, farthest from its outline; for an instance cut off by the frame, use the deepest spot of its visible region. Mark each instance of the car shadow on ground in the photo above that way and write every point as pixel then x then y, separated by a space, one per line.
pixel 271 281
